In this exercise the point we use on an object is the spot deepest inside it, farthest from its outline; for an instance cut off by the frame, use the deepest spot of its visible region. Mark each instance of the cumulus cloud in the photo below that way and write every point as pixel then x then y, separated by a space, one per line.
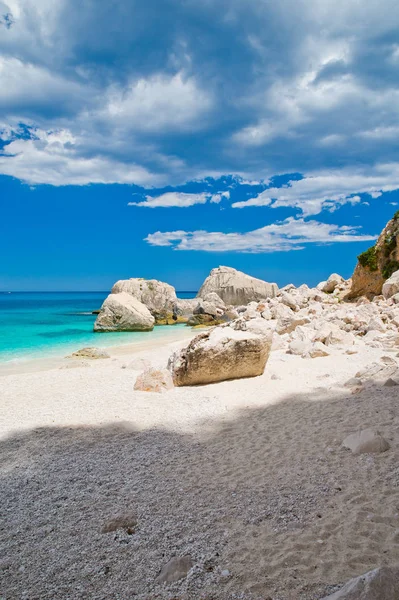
pixel 176 199
pixel 51 157
pixel 291 234
pixel 138 89
pixel 179 199
pixel 35 92
pixel 158 103
pixel 328 189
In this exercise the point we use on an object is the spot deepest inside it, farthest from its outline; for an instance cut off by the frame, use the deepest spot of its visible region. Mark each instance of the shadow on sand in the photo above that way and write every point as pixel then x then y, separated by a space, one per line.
pixel 269 496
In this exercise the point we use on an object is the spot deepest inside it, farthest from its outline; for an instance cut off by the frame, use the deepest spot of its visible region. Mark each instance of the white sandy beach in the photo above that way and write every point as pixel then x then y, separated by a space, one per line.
pixel 248 477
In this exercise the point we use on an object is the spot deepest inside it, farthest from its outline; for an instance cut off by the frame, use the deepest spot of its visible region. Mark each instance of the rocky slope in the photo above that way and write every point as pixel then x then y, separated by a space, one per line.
pixel 303 321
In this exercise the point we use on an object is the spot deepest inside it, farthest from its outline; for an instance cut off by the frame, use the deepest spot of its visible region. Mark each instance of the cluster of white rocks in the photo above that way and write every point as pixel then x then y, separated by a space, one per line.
pixel 304 321
pixel 139 304
pixel 309 322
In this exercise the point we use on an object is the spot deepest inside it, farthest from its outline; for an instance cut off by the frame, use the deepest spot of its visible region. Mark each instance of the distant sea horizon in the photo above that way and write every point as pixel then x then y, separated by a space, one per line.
pixel 37 324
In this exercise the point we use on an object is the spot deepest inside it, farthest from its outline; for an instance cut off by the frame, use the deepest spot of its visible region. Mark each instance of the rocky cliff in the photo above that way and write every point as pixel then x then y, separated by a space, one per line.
pixel 377 264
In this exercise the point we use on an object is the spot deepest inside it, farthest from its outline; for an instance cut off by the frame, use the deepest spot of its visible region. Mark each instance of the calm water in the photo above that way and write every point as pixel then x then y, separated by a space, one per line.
pixel 38 325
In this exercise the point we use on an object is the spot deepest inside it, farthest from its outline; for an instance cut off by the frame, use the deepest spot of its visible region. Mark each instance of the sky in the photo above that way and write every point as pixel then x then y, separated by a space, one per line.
pixel 160 141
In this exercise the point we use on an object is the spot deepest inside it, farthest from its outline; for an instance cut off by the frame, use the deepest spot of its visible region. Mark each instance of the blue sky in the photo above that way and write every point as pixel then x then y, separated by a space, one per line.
pixel 143 141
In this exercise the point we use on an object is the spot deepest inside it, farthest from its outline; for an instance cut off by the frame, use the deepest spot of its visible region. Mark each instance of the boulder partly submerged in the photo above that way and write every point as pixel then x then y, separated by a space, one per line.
pixel 219 354
pixel 159 297
pixel 235 287
pixel 123 312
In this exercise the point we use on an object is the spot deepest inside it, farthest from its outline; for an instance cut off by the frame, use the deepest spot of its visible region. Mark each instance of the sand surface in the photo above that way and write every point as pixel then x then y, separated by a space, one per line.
pixel 248 477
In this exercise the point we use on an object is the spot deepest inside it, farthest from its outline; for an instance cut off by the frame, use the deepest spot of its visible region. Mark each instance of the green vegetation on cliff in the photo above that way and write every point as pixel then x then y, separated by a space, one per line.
pixel 369 258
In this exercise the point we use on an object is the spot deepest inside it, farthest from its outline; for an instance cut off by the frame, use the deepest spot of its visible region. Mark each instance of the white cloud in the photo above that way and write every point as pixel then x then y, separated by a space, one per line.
pixel 321 93
pixel 170 199
pixel 158 103
pixel 53 159
pixel 290 234
pixel 28 87
pixel 218 197
pixel 379 133
pixel 179 199
pixel 328 189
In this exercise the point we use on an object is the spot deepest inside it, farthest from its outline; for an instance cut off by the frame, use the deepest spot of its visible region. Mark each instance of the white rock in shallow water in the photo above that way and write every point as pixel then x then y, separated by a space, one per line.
pixel 220 354
pixel 158 296
pixel 366 441
pixel 379 584
pixel 154 380
pixel 123 312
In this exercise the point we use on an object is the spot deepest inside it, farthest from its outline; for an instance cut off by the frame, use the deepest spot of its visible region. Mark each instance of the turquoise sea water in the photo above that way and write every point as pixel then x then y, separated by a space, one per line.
pixel 46 324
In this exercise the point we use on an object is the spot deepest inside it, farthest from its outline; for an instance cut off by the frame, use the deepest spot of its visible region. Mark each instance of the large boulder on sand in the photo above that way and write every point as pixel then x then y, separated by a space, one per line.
pixel 157 296
pixel 235 287
pixel 379 584
pixel 123 312
pixel 219 354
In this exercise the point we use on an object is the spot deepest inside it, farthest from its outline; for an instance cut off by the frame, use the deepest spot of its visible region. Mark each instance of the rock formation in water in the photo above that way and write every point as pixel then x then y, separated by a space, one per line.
pixel 157 296
pixel 123 312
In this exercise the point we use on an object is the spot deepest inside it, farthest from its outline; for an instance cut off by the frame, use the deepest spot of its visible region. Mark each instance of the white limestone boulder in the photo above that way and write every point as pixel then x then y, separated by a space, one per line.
pixel 235 287
pixel 333 283
pixel 214 299
pixel 159 297
pixel 123 312
pixel 391 285
pixel 208 308
pixel 220 354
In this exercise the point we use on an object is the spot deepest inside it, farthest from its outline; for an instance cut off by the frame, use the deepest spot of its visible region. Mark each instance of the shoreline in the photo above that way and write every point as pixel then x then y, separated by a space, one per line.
pixel 33 365
pixel 260 459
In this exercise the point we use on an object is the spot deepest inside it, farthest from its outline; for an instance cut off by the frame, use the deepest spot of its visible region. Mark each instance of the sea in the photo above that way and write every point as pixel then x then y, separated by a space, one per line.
pixel 52 324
